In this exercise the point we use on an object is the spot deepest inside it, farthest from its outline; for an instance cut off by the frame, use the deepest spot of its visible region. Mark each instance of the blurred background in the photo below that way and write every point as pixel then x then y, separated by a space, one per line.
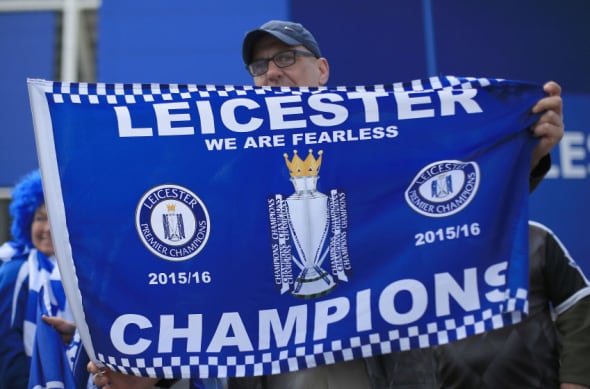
pixel 366 42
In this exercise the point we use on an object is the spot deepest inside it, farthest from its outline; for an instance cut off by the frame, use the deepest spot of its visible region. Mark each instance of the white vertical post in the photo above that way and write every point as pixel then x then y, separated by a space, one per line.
pixel 70 44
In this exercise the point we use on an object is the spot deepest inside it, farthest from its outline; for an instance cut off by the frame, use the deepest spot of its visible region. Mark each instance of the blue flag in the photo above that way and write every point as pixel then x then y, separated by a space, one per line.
pixel 214 231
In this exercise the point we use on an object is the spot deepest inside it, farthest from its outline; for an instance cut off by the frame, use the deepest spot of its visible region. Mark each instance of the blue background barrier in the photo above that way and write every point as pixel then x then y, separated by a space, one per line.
pixel 378 42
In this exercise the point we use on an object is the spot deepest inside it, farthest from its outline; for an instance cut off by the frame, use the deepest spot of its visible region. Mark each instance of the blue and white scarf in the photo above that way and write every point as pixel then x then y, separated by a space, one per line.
pixel 53 364
pixel 43 273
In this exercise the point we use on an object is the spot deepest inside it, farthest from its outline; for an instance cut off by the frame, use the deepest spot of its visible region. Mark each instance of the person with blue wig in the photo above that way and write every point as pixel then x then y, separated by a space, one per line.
pixel 30 286
pixel 27 196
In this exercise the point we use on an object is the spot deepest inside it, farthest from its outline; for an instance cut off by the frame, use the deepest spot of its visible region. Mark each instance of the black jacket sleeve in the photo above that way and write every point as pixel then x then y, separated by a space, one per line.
pixel 539 172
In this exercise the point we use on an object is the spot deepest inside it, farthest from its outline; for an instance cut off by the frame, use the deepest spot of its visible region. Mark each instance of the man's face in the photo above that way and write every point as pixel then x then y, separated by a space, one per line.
pixel 306 71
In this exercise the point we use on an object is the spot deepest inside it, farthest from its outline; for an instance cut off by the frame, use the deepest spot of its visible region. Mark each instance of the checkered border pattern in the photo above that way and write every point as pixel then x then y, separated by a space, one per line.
pixel 123 94
pixel 297 358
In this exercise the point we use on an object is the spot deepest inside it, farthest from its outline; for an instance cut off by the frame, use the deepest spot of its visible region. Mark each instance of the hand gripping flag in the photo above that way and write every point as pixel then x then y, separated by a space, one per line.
pixel 211 231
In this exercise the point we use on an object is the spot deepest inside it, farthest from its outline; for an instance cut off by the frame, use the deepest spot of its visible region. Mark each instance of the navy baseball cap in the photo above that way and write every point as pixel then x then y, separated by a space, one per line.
pixel 290 33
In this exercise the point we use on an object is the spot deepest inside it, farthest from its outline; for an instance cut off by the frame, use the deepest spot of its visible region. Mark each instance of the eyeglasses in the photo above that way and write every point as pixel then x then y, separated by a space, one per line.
pixel 282 59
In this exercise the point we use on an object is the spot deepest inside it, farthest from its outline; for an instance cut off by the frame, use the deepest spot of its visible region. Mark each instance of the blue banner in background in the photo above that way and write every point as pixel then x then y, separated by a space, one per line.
pixel 228 231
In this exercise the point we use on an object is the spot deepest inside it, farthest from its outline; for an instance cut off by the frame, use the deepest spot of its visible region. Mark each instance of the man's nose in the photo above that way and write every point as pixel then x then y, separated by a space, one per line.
pixel 273 70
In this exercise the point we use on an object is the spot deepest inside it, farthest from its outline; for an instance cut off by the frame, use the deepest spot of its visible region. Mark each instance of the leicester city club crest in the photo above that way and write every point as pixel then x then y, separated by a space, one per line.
pixel 172 222
pixel 443 188
pixel 309 230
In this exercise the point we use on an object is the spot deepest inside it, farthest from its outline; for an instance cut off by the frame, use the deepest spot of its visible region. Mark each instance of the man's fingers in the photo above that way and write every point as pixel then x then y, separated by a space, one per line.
pixel 552 88
pixel 550 103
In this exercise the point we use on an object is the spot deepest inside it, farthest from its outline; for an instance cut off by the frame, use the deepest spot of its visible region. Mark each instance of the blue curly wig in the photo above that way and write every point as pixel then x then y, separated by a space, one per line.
pixel 27 196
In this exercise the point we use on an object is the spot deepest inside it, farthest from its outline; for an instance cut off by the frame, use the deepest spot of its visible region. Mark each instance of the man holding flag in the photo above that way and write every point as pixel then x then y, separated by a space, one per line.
pixel 282 53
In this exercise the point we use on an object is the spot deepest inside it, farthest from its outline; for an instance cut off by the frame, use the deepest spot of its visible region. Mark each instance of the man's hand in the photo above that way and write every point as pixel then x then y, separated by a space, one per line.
pixel 65 328
pixel 549 128
pixel 572 386
pixel 104 377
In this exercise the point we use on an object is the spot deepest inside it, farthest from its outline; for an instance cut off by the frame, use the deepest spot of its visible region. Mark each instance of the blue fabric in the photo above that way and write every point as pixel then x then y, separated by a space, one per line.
pixel 78 361
pixel 50 367
pixel 53 364
pixel 221 231
pixel 23 299
pixel 14 361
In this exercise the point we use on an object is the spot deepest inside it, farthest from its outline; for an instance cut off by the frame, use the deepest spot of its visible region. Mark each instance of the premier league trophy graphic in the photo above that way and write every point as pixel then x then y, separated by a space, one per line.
pixel 173 224
pixel 307 214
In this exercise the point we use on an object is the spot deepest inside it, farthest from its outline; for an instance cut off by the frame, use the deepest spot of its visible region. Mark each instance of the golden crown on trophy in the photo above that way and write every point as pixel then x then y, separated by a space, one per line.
pixel 304 168
pixel 171 207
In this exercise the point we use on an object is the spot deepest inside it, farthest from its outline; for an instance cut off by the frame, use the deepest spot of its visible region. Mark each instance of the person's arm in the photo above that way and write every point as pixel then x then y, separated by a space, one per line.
pixel 539 172
pixel 573 327
pixel 569 291
pixel 14 362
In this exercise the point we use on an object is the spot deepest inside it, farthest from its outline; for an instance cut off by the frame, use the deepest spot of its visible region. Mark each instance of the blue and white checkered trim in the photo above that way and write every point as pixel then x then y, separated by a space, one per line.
pixel 122 94
pixel 322 353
